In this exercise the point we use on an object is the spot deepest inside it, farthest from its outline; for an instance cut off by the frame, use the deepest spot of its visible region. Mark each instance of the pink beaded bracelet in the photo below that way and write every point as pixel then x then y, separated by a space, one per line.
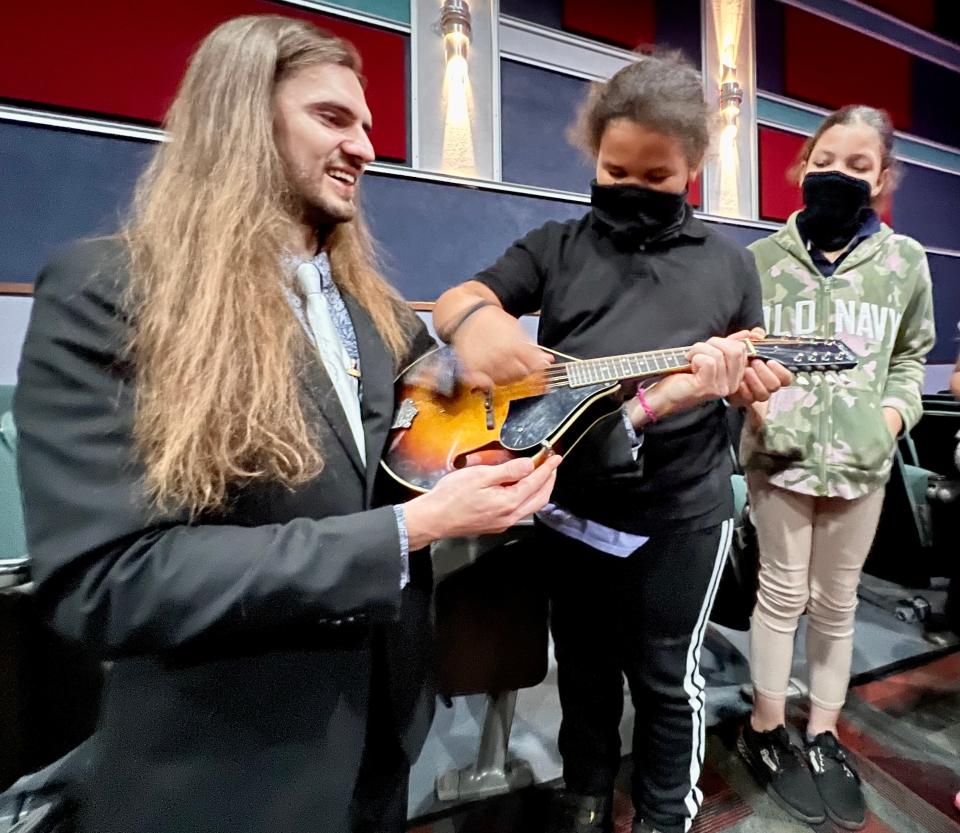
pixel 642 399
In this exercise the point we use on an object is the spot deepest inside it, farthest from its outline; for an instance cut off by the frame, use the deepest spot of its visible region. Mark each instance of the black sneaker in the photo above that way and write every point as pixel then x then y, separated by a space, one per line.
pixel 577 813
pixel 780 768
pixel 837 781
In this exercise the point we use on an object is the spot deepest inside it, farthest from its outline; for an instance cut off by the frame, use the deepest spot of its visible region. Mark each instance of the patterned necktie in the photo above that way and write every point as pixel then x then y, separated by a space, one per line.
pixel 332 352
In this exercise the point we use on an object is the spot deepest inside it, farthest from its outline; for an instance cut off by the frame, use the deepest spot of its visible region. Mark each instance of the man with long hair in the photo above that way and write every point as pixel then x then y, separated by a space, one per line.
pixel 202 403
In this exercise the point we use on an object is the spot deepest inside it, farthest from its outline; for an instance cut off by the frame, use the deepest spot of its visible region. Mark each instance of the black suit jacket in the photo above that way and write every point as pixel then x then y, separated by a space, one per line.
pixel 243 645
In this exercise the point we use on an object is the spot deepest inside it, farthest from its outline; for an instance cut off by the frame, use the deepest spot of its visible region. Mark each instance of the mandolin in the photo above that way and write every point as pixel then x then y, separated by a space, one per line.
pixel 441 424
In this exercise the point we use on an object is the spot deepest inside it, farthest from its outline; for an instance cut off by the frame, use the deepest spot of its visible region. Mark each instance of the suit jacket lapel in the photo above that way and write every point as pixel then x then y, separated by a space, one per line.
pixel 376 365
pixel 325 395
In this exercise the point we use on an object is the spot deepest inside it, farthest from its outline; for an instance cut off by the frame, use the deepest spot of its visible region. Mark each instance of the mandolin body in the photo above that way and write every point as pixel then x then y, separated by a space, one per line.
pixel 439 421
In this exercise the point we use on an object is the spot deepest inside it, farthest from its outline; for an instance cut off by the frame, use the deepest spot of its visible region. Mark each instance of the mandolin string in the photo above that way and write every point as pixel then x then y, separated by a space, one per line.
pixel 557 375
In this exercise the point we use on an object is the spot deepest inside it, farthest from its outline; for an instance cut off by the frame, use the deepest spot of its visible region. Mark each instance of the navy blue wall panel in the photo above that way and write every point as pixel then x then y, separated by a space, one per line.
pixel 678 27
pixel 744 235
pixel 538 106
pixel 677 23
pixel 769 37
pixel 933 117
pixel 924 207
pixel 946 306
pixel 452 231
pixel 56 186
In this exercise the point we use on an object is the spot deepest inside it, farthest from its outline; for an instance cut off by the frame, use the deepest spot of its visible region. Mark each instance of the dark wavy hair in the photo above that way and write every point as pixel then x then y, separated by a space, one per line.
pixel 661 92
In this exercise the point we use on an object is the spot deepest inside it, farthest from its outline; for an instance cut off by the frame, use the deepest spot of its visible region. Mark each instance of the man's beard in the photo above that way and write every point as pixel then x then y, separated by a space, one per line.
pixel 319 212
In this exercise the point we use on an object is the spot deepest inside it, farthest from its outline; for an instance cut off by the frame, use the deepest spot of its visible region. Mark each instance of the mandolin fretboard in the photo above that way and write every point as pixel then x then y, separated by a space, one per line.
pixel 630 366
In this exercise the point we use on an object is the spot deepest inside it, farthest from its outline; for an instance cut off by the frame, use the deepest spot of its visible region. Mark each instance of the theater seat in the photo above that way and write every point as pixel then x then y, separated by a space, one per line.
pixel 491 615
pixel 49 691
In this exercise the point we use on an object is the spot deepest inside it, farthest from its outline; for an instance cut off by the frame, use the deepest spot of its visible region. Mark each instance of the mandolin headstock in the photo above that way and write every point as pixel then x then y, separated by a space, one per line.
pixel 801 355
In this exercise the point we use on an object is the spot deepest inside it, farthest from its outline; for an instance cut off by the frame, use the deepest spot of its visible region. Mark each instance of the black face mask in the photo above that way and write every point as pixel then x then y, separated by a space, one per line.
pixel 835 206
pixel 636 214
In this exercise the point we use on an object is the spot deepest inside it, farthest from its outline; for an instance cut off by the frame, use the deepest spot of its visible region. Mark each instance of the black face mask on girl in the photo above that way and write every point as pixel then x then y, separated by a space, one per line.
pixel 835 206
pixel 636 214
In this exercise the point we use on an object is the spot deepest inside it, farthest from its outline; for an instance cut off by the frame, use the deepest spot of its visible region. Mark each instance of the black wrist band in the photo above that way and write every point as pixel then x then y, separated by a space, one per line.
pixel 448 336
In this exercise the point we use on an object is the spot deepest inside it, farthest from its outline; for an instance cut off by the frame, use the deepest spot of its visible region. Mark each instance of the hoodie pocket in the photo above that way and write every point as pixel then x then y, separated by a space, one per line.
pixel 860 438
pixel 792 423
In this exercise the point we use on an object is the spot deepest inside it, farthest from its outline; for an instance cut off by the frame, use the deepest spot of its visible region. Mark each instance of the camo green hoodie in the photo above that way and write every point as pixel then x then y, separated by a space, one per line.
pixel 825 435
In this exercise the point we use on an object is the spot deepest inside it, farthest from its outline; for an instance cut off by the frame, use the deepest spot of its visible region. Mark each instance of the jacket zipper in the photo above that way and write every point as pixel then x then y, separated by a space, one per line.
pixel 826 415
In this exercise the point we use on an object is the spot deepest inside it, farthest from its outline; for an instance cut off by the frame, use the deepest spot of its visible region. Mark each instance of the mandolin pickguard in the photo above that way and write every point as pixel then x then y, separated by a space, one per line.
pixel 539 420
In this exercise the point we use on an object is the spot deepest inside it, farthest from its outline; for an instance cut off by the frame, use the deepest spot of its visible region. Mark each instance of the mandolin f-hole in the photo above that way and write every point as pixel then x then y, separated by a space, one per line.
pixel 490 454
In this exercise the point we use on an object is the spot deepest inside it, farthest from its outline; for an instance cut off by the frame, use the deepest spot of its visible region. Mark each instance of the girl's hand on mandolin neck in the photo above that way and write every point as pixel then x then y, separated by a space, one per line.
pixel 760 380
pixel 718 368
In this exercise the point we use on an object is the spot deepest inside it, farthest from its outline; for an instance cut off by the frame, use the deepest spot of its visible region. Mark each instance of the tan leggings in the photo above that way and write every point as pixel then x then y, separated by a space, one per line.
pixel 812 551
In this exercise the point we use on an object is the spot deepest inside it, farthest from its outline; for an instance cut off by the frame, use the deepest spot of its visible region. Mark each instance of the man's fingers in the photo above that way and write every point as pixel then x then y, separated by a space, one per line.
pixel 513 471
pixel 536 501
pixel 519 492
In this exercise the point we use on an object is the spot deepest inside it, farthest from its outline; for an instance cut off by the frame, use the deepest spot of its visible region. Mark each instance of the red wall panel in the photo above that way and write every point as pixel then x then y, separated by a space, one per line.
pixel 625 24
pixel 693 196
pixel 777 151
pixel 124 59
pixel 829 64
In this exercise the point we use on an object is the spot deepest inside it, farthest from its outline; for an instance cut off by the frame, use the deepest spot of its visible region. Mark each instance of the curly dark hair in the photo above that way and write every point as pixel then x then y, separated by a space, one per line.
pixel 661 92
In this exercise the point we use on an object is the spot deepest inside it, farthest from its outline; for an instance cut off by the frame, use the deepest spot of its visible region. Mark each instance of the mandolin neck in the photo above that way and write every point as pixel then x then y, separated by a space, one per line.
pixel 799 355
pixel 628 366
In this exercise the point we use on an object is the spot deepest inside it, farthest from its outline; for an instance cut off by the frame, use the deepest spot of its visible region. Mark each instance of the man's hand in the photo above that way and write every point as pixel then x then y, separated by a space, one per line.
pixel 480 499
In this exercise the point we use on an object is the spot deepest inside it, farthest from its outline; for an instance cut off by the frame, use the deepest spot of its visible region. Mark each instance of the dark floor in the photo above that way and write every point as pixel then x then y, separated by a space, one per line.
pixel 904 731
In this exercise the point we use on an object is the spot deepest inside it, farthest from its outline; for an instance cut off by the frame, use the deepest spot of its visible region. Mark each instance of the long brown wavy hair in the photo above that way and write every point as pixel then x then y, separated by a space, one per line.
pixel 217 351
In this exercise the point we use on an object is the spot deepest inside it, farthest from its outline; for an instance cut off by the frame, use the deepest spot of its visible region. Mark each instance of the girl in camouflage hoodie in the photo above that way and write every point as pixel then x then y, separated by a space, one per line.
pixel 818 454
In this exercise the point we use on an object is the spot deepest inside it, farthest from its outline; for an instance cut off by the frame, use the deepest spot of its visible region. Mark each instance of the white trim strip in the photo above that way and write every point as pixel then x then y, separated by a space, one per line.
pixel 823 111
pixel 350 14
pixel 694 684
pixel 561 52
pixel 85 124
pixel 496 96
pixel 403 172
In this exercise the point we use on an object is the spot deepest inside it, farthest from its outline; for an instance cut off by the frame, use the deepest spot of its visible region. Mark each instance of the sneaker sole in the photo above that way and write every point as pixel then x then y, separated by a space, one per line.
pixel 845 823
pixel 768 788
